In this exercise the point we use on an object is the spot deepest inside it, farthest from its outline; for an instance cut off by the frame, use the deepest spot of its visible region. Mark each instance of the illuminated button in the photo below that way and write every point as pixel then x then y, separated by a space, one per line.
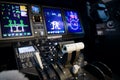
pixel 13 34
pixel 25 34
pixel 16 34
pixel 42 33
pixel 36 32
pixel 61 57
pixel 51 59
pixel 4 35
pixel 28 34
pixel 20 34
pixel 9 34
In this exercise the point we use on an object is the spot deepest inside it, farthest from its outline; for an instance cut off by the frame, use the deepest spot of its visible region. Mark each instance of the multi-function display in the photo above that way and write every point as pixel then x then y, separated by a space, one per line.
pixel 14 20
pixel 54 21
pixel 73 22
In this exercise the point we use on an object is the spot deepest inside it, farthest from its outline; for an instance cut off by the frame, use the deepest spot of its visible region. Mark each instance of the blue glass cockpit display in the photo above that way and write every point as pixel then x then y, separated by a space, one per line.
pixel 73 22
pixel 53 20
pixel 14 20
pixel 35 9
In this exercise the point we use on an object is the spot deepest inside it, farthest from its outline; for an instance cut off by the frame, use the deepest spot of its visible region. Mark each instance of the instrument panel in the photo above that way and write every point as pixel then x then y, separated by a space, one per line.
pixel 19 21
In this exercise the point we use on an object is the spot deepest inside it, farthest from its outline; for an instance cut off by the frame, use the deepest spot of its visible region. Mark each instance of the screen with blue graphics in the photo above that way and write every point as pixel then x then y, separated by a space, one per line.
pixel 14 20
pixel 73 22
pixel 54 21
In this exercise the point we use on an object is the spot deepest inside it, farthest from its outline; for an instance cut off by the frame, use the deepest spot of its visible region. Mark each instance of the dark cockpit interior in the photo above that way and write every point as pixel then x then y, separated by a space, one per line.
pixel 59 39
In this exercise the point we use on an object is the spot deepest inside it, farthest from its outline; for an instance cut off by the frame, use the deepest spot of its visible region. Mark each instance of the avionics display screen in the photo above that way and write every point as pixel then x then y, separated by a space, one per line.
pixel 14 20
pixel 53 20
pixel 26 49
pixel 73 22
pixel 35 9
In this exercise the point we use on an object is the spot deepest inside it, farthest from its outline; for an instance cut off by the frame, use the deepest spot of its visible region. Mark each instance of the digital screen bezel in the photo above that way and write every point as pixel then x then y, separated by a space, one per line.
pixel 53 34
pixel 30 24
